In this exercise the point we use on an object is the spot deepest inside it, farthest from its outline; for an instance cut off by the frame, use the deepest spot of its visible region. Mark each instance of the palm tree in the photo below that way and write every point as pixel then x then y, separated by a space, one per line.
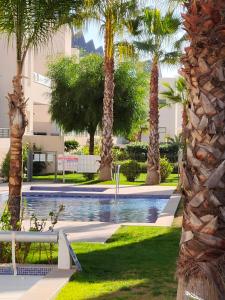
pixel 158 31
pixel 115 18
pixel 28 24
pixel 178 94
pixel 201 265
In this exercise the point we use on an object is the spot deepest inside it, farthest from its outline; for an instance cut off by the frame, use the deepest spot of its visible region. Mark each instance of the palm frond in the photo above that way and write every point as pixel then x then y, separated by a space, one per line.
pixel 33 22
pixel 177 93
pixel 147 45
pixel 171 58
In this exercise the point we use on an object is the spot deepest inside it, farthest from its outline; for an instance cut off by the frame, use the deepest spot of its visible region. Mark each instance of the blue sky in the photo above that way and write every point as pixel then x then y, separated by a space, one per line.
pixel 92 32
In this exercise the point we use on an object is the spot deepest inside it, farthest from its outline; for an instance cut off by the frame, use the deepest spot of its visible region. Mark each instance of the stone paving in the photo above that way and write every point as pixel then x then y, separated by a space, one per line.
pixel 14 287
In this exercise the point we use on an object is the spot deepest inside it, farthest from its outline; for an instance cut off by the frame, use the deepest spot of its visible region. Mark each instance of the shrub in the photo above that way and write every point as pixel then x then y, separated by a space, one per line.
pixel 5 167
pixel 170 151
pixel 166 168
pixel 119 154
pixel 137 151
pixel 89 176
pixel 143 166
pixel 85 150
pixel 38 167
pixel 71 145
pixel 130 169
pixel 175 168
pixel 6 163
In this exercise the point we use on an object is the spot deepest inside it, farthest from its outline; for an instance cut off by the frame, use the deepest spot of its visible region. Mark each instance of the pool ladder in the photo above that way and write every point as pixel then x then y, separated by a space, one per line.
pixel 117 179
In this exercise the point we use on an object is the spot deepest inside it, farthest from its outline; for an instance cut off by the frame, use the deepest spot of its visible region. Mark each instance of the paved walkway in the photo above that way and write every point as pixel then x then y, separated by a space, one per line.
pixel 97 232
pixel 48 287
pixel 14 287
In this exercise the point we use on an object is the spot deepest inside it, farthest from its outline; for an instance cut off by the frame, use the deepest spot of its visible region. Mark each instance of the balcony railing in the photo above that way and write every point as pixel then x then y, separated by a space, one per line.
pixel 38 78
pixel 4 132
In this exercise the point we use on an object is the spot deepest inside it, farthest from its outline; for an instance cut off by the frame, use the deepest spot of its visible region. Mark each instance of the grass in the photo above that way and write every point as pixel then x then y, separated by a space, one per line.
pixel 137 263
pixel 172 180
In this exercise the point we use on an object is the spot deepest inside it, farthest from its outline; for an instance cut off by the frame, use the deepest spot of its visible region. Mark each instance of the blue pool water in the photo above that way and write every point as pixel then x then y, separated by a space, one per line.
pixel 103 209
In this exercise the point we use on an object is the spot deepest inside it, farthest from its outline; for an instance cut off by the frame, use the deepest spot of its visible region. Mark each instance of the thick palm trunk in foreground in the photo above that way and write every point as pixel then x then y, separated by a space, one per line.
pixel 107 120
pixel 153 174
pixel 184 125
pixel 201 265
pixel 18 122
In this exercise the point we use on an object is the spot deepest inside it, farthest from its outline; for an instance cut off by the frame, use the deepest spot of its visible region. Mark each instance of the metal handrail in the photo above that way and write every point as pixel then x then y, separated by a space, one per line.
pixel 65 251
pixel 23 236
pixel 117 178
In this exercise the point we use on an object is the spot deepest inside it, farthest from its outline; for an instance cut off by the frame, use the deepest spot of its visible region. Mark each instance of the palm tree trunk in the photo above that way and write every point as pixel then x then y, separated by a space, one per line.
pixel 184 146
pixel 201 265
pixel 92 143
pixel 153 169
pixel 184 125
pixel 18 123
pixel 107 120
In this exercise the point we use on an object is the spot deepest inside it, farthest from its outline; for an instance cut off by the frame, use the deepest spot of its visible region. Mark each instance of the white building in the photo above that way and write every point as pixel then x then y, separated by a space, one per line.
pixel 41 131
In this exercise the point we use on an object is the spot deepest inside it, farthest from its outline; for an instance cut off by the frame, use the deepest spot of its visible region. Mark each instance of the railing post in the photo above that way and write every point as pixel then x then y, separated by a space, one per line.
pixel 64 257
pixel 117 178
pixel 14 253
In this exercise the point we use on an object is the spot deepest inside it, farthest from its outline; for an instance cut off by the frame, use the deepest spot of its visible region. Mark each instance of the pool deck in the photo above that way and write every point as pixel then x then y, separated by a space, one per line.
pixel 33 287
pixel 109 189
pixel 14 287
pixel 101 231
pixel 46 288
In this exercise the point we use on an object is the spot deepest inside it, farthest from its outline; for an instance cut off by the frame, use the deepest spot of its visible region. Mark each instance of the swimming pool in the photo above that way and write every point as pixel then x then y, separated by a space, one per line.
pixel 126 209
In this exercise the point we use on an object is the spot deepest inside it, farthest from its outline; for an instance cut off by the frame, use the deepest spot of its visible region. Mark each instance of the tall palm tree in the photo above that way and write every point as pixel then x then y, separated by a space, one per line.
pixel 158 31
pixel 115 18
pixel 28 24
pixel 177 94
pixel 201 265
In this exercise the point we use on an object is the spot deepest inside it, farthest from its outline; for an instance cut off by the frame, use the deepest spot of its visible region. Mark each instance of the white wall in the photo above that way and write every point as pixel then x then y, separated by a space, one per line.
pixel 60 44
pixel 7 71
pixel 42 120
pixel 36 61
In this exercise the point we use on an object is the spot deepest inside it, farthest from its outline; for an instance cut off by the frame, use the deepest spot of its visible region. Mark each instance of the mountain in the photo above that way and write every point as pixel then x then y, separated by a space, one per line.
pixel 78 41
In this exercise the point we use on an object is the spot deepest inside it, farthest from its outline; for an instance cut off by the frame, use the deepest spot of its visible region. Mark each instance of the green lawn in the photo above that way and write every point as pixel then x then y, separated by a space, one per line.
pixel 137 263
pixel 172 180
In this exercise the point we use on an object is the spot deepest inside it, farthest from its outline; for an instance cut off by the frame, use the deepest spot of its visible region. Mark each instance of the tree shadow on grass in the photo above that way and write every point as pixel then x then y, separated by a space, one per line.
pixel 150 261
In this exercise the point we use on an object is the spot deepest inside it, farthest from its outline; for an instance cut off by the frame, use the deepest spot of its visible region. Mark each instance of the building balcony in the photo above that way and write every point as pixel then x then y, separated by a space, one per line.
pixel 4 132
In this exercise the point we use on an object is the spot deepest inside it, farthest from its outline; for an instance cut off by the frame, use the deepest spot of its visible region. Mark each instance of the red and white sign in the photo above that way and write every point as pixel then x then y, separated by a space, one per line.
pixel 79 163
pixel 67 163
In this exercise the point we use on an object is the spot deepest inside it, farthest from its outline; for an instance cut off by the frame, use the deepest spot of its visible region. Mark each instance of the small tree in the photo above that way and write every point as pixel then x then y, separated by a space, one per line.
pixel 78 91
